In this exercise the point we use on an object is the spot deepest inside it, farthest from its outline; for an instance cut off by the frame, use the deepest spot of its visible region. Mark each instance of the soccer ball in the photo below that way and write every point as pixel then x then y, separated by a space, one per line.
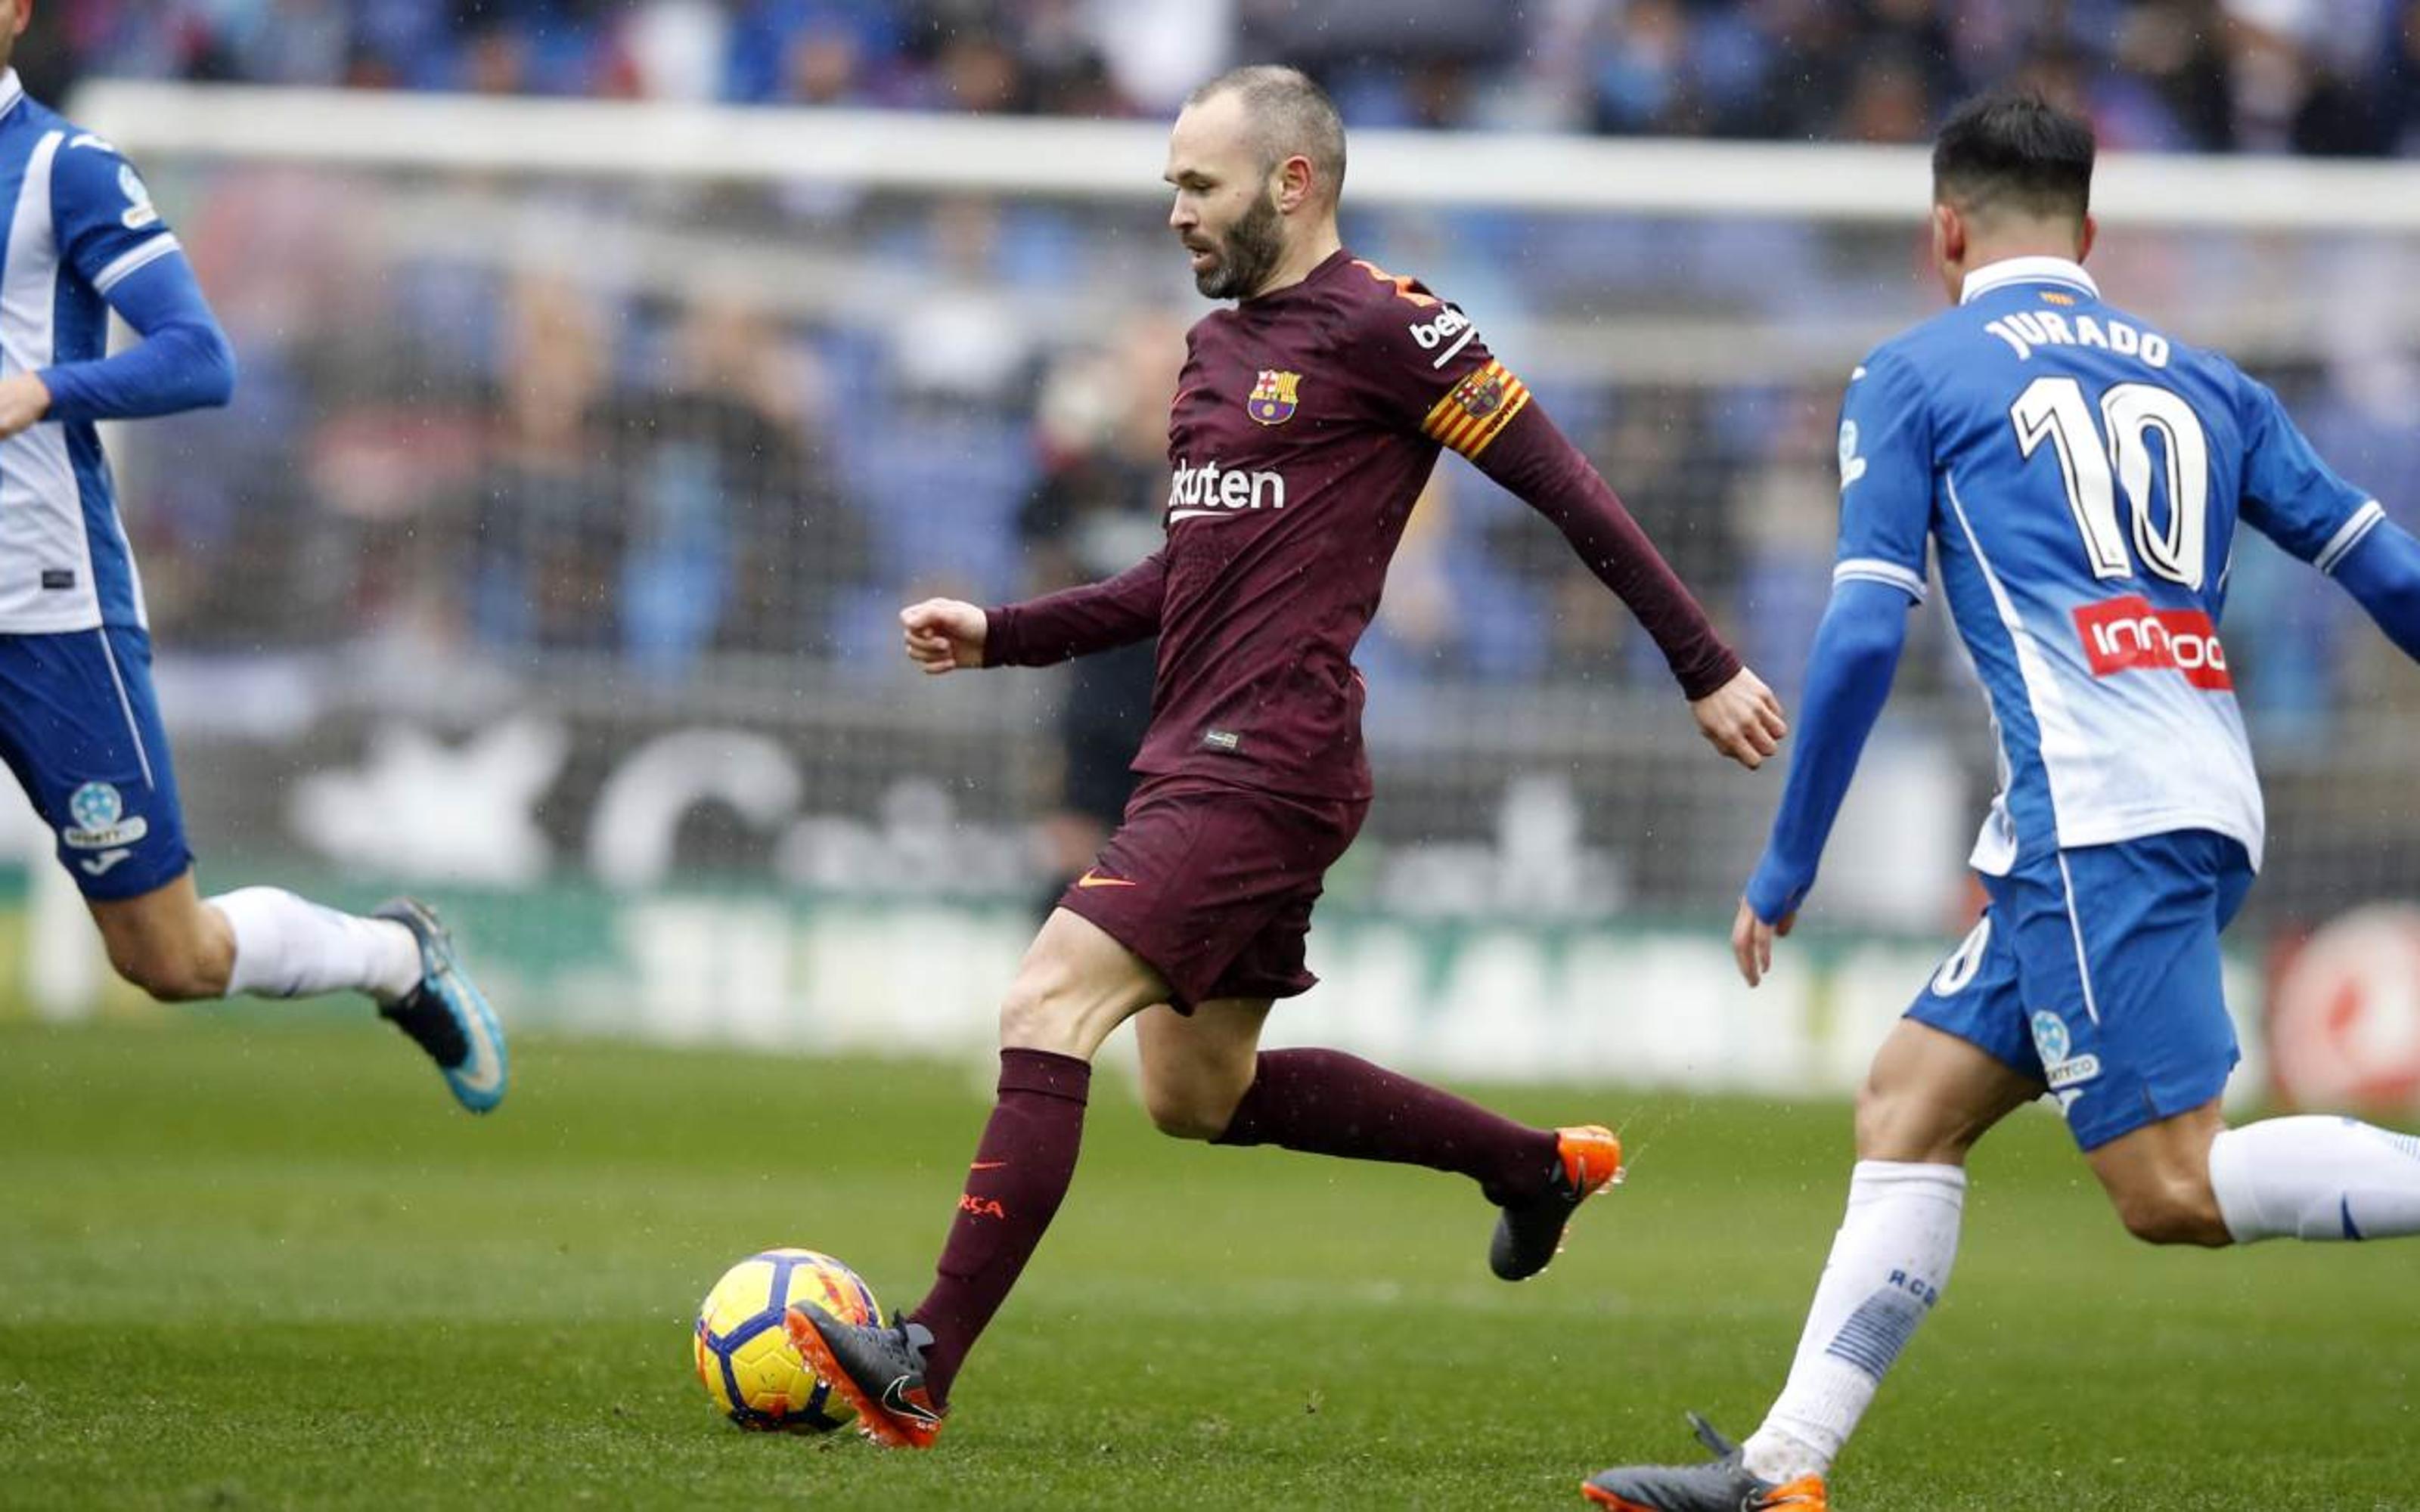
pixel 744 1354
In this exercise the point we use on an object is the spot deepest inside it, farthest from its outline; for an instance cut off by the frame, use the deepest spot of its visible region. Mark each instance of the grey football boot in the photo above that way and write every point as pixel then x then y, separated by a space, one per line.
pixel 1723 1484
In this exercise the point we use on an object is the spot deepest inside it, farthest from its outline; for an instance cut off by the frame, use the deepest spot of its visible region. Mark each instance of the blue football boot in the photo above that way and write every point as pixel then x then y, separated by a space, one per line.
pixel 446 1015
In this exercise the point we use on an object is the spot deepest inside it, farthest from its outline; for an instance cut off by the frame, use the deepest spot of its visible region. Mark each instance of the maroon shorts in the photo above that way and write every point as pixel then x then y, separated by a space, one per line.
pixel 1212 884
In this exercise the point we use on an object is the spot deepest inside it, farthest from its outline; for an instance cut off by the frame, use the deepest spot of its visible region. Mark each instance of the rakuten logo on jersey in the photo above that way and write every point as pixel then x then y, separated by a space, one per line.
pixel 1210 490
pixel 2128 634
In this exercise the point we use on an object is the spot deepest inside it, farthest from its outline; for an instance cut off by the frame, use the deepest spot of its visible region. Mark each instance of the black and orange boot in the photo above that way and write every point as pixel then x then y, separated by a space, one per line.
pixel 879 1371
pixel 1588 1159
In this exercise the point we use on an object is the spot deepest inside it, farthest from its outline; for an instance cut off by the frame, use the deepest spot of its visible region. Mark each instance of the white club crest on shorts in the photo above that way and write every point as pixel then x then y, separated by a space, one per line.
pixel 2062 1070
pixel 2050 1038
pixel 96 806
pixel 98 810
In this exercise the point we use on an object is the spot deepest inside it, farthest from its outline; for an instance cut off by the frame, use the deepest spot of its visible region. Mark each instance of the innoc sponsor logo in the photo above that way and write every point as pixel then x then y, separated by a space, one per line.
pixel 1208 489
pixel 2127 634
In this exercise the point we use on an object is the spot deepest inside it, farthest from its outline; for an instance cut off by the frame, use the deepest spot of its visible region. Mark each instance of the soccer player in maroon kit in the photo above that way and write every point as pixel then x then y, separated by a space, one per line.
pixel 1306 422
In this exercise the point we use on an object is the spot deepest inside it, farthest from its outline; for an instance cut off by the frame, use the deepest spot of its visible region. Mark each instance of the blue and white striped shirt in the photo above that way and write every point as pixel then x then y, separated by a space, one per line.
pixel 78 223
pixel 2080 477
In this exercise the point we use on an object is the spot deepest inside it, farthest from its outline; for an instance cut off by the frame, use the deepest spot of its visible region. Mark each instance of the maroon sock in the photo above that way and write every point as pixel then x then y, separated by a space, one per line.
pixel 1021 1170
pixel 1327 1103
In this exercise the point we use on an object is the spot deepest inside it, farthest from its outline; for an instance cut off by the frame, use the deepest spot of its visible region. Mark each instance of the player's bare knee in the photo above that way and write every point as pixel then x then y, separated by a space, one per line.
pixel 1898 1124
pixel 1042 1010
pixel 1025 1010
pixel 2173 1212
pixel 1189 1112
pixel 2163 1223
pixel 1876 1113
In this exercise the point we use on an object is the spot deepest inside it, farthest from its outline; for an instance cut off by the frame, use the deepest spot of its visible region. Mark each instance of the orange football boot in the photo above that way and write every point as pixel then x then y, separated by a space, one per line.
pixel 879 1371
pixel 1588 1159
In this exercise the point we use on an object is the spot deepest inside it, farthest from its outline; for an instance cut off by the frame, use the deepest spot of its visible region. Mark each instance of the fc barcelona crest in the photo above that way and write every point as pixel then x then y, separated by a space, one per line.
pixel 1273 401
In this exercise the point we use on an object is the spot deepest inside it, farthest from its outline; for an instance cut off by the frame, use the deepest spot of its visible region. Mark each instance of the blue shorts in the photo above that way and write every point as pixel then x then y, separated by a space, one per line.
pixel 2096 972
pixel 81 728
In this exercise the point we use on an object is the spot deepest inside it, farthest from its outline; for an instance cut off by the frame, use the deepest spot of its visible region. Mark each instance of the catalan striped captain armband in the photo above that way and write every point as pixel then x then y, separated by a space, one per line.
pixel 1476 410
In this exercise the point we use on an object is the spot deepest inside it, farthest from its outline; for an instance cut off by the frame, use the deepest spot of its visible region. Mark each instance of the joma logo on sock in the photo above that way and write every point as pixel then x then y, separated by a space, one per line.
pixel 980 1207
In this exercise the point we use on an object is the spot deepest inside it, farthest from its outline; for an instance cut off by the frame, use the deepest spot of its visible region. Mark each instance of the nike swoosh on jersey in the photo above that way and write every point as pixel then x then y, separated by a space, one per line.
pixel 1093 879
pixel 95 866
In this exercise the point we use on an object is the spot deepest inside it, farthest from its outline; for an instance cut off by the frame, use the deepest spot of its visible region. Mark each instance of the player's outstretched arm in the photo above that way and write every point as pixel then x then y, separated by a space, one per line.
pixel 2383 574
pixel 1848 679
pixel 1074 621
pixel 1533 460
pixel 1466 401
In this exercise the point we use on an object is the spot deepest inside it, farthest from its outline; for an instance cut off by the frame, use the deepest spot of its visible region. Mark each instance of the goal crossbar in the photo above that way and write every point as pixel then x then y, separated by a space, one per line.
pixel 1095 160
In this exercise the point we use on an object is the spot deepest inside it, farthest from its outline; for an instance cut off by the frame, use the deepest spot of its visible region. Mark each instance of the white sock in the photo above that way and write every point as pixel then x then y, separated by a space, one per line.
pixel 1889 1263
pixel 291 947
pixel 2316 1176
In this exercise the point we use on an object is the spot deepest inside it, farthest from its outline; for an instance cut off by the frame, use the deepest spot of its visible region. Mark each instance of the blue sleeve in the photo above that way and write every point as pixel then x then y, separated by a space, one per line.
pixel 1847 679
pixel 183 360
pixel 2382 571
pixel 2290 495
pixel 1886 475
pixel 101 213
pixel 109 232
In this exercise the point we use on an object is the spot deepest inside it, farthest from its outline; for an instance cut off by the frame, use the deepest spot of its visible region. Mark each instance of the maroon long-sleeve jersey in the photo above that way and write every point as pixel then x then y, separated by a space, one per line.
pixel 1306 423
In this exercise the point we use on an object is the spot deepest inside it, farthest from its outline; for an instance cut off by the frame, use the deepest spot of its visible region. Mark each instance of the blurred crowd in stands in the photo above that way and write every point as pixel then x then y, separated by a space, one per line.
pixel 510 446
pixel 2316 76
pixel 567 421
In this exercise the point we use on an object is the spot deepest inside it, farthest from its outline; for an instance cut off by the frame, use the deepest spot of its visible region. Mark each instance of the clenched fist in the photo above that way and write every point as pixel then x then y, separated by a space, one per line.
pixel 943 635
pixel 24 399
pixel 1743 720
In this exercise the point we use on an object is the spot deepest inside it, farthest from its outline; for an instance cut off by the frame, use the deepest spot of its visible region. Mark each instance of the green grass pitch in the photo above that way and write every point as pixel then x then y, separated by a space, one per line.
pixel 249 1263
